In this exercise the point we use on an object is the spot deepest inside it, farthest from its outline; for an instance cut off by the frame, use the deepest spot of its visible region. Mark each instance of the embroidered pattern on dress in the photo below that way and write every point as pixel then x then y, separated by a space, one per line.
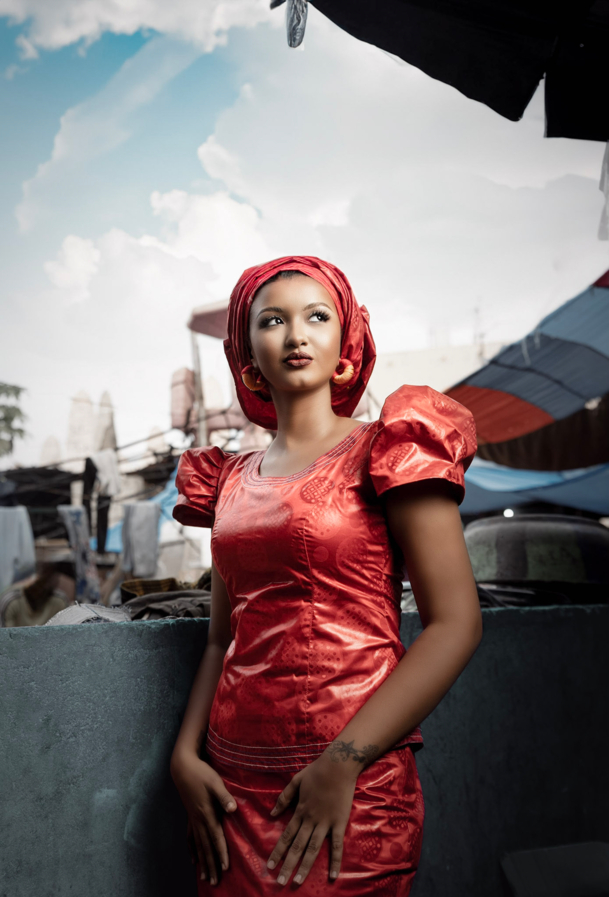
pixel 251 476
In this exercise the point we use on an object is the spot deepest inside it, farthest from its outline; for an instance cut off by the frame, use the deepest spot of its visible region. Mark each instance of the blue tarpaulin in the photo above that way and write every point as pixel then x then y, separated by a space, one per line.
pixel 553 372
pixel 491 487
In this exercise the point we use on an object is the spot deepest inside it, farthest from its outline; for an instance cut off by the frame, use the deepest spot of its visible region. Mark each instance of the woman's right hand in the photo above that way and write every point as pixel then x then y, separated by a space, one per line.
pixel 205 797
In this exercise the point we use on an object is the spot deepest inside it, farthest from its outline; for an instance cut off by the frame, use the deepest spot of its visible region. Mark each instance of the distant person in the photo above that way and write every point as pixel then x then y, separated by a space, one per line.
pixel 306 706
pixel 33 602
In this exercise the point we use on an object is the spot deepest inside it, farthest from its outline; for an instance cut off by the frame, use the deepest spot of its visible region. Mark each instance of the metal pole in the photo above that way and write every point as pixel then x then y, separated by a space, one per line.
pixel 201 433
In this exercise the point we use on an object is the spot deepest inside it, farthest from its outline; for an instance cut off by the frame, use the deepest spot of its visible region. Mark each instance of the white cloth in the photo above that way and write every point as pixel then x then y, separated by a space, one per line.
pixel 108 473
pixel 17 554
pixel 141 537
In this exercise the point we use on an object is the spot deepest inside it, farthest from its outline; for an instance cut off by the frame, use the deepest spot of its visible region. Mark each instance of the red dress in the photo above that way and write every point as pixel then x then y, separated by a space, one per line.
pixel 314 582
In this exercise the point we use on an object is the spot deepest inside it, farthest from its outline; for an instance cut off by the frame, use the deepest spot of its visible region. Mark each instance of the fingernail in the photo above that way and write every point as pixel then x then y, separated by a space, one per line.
pixel 224 865
pixel 231 806
pixel 281 880
pixel 271 864
pixel 213 881
pixel 298 879
pixel 333 874
pixel 203 876
pixel 273 811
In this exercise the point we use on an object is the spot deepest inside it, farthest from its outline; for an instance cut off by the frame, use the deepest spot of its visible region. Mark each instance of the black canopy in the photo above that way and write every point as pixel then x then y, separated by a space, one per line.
pixel 497 51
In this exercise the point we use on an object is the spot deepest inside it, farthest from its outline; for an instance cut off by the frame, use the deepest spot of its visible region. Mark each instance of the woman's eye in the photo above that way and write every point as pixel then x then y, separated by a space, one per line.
pixel 270 321
pixel 320 316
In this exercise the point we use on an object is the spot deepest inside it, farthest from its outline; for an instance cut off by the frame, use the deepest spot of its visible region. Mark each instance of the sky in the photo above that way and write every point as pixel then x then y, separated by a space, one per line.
pixel 152 151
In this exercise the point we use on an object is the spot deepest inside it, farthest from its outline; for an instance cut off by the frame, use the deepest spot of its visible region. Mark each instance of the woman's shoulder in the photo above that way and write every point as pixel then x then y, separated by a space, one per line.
pixel 200 474
pixel 424 403
pixel 421 434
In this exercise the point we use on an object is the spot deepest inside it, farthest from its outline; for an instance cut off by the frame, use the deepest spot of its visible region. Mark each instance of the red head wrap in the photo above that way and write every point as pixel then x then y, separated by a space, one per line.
pixel 357 344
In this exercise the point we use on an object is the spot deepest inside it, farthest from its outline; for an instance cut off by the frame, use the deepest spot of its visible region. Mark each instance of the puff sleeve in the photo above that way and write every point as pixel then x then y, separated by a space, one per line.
pixel 197 481
pixel 422 435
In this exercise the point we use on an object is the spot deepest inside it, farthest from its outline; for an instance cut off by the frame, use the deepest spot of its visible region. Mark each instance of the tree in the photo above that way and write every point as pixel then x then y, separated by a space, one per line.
pixel 11 416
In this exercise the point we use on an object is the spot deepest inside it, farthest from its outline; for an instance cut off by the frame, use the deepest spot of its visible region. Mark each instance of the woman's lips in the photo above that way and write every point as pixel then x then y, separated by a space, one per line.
pixel 298 362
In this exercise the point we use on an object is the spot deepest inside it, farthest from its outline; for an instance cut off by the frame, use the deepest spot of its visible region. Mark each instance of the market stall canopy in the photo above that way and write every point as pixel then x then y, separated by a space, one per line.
pixel 494 52
pixel 491 487
pixel 210 320
pixel 559 372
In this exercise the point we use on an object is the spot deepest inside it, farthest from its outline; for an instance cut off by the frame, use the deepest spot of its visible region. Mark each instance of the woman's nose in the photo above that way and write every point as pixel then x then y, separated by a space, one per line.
pixel 296 336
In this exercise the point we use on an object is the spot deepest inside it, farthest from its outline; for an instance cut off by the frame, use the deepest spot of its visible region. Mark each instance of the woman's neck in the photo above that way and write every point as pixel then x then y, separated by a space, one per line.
pixel 304 419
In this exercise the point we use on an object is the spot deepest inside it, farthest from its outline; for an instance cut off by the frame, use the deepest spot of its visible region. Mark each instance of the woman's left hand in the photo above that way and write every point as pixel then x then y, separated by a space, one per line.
pixel 325 794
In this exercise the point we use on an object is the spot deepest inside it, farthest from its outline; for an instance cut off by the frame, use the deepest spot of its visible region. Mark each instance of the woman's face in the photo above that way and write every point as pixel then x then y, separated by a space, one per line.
pixel 294 334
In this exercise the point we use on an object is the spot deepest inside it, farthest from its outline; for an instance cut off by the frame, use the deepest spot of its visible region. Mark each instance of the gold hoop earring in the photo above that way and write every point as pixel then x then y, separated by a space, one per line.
pixel 339 378
pixel 252 378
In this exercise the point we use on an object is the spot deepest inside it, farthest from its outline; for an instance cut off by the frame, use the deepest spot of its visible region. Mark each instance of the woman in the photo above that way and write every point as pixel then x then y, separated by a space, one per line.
pixel 305 701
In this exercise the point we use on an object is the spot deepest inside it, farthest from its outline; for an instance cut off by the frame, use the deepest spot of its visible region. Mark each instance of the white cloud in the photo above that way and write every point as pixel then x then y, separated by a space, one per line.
pixel 101 123
pixel 331 214
pixel 52 24
pixel 76 264
pixel 221 164
pixel 207 242
pixel 214 229
pixel 26 49
pixel 11 70
pixel 127 331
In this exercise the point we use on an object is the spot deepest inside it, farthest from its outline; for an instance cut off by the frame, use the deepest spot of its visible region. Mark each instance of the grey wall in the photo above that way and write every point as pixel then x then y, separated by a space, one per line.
pixel 515 756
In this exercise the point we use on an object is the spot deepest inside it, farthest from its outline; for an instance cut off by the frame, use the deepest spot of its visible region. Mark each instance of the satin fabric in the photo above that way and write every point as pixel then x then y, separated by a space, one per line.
pixel 382 843
pixel 356 344
pixel 314 582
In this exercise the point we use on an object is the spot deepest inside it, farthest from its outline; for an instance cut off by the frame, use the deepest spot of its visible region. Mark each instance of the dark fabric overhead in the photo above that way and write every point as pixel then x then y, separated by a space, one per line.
pixel 41 490
pixel 577 80
pixel 579 440
pixel 497 51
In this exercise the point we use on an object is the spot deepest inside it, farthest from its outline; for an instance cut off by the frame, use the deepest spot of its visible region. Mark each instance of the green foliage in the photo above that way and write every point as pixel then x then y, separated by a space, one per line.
pixel 11 416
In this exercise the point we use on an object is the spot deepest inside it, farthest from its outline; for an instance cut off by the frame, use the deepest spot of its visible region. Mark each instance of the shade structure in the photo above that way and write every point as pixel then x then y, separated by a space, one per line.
pixel 498 52
pixel 492 487
pixel 557 371
pixel 210 320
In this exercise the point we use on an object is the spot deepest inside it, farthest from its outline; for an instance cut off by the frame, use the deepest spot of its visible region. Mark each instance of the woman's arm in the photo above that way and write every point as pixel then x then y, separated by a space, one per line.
pixel 199 785
pixel 194 725
pixel 424 520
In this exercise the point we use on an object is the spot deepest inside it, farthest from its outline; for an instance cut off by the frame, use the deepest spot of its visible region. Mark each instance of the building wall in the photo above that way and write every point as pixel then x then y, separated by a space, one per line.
pixel 515 755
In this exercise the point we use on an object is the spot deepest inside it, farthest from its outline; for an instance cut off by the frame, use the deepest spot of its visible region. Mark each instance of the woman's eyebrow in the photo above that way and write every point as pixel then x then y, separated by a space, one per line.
pixel 316 305
pixel 270 308
pixel 280 310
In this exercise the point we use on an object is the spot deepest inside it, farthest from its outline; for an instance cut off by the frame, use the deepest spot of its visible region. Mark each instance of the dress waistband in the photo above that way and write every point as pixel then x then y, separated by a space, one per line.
pixel 286 757
pixel 289 758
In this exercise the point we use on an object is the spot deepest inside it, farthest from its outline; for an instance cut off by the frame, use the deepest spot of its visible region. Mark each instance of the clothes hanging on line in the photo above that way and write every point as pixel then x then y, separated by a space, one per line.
pixel 107 472
pixel 87 578
pixel 141 537
pixel 101 469
pixel 17 554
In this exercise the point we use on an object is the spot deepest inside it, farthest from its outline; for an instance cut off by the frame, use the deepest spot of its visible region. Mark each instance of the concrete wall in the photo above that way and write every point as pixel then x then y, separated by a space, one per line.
pixel 515 756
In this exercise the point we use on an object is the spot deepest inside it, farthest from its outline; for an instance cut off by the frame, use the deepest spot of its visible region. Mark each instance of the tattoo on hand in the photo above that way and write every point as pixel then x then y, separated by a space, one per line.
pixel 344 750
